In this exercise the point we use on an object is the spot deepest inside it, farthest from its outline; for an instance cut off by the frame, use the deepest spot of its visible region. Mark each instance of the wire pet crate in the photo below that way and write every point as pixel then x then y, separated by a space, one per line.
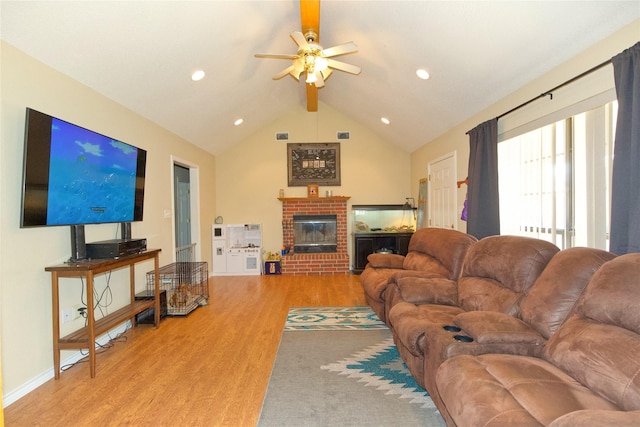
pixel 186 284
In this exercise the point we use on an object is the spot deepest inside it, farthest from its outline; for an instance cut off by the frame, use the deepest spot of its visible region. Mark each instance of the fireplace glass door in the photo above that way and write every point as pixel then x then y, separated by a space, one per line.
pixel 315 233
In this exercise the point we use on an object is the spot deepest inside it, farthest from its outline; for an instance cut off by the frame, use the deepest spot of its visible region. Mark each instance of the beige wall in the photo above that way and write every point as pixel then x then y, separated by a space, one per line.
pixel 250 174
pixel 24 285
pixel 456 140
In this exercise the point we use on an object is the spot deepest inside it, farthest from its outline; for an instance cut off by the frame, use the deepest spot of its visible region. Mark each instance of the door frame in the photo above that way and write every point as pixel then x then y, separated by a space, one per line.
pixel 194 201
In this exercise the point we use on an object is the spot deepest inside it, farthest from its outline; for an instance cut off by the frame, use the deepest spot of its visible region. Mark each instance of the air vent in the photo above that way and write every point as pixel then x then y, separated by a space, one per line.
pixel 343 135
pixel 282 136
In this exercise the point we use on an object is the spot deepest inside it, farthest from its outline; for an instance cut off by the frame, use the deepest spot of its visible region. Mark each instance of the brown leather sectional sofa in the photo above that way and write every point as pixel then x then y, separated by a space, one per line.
pixel 525 335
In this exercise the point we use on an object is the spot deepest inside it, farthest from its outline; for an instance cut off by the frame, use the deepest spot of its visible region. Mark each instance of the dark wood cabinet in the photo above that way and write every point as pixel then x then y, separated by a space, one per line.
pixel 368 243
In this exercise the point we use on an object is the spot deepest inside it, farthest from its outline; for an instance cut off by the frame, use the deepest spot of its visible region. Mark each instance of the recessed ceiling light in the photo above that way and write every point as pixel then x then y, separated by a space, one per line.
pixel 422 73
pixel 197 75
pixel 385 120
pixel 238 122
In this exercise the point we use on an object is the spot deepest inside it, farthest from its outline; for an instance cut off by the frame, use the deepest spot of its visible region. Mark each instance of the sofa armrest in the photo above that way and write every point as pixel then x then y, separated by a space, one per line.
pixel 427 290
pixel 385 260
pixel 592 417
pixel 488 327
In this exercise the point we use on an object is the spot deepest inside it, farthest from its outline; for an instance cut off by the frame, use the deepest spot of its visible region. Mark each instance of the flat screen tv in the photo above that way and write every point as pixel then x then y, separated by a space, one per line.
pixel 74 176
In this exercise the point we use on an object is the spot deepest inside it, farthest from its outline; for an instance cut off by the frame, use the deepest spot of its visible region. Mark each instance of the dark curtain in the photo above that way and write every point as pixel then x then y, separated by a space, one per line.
pixel 625 191
pixel 483 207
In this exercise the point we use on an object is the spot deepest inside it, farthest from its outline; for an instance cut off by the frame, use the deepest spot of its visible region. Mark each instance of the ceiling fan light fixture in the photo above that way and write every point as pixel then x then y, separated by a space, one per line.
pixel 385 120
pixel 311 76
pixel 321 63
pixel 238 122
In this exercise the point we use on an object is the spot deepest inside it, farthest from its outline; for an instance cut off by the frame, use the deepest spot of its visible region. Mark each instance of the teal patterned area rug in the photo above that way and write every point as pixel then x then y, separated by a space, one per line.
pixel 338 366
pixel 332 319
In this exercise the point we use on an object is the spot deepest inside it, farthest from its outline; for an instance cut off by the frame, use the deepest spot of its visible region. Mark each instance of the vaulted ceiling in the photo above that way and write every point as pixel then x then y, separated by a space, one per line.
pixel 142 54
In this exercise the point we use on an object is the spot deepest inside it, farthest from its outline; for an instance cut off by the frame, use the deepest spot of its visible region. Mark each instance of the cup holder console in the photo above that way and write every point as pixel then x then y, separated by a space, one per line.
pixel 457 337
pixel 462 338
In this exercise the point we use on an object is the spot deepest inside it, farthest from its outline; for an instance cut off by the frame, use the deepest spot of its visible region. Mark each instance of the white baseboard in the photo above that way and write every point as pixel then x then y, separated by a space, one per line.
pixel 47 375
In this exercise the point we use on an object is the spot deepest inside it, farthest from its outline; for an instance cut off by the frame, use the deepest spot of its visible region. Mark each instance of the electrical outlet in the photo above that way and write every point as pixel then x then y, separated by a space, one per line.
pixel 76 311
pixel 66 315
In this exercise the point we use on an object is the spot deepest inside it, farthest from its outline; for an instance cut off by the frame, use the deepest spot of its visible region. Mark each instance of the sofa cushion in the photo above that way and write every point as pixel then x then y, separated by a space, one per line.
pixel 408 320
pixel 444 245
pixel 499 270
pixel 556 292
pixel 498 328
pixel 424 262
pixel 600 345
pixel 614 300
pixel 385 260
pixel 506 390
pixel 427 290
pixel 587 417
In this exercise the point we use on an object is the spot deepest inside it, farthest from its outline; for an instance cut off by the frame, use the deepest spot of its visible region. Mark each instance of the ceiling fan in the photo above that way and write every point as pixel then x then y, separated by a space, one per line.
pixel 311 59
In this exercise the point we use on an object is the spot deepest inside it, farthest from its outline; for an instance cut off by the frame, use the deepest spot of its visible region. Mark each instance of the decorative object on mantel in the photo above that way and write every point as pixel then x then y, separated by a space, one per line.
pixel 312 190
pixel 313 164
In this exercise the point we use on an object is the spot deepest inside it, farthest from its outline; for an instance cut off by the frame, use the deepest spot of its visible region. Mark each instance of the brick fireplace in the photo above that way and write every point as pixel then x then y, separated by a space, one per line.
pixel 315 263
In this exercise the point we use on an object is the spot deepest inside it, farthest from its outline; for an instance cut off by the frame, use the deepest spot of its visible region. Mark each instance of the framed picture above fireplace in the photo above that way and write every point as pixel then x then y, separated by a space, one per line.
pixel 316 163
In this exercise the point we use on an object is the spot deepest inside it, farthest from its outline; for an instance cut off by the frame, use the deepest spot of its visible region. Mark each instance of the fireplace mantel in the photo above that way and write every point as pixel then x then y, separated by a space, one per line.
pixel 319 199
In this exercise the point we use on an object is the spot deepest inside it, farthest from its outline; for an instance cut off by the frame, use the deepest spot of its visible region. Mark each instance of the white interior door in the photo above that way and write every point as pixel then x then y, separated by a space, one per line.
pixel 442 201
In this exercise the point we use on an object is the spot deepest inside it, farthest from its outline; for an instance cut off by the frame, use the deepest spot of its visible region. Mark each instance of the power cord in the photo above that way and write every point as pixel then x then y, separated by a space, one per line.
pixel 101 348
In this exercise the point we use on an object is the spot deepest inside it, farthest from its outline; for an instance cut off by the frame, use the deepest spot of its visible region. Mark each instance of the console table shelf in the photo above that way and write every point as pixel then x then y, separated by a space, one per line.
pixel 81 336
pixel 85 337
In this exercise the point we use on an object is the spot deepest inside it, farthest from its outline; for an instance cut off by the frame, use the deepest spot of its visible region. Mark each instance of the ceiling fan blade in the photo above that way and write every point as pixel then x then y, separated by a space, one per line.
pixel 326 73
pixel 310 17
pixel 312 97
pixel 343 66
pixel 275 56
pixel 283 73
pixel 298 37
pixel 342 49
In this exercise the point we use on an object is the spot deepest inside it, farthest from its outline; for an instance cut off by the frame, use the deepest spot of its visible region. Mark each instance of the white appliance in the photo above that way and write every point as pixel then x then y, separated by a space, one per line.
pixel 237 249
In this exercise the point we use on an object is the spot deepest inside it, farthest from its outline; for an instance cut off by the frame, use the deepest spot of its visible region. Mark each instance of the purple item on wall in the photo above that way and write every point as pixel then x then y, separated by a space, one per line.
pixel 464 210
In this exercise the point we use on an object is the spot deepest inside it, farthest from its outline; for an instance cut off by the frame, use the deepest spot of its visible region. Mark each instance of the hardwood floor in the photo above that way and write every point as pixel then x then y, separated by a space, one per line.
pixel 210 368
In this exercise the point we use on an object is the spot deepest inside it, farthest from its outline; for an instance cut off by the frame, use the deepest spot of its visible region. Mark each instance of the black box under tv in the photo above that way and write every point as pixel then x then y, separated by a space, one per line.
pixel 116 248
pixel 148 316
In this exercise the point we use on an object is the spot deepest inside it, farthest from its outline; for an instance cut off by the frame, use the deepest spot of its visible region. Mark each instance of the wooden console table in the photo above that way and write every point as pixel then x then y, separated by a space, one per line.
pixel 86 336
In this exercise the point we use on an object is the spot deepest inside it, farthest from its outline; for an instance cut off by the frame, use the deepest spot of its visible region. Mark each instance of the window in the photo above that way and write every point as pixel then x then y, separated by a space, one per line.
pixel 555 181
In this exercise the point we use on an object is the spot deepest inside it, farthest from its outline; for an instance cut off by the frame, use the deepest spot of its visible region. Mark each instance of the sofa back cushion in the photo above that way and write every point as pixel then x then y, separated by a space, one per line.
pixel 599 345
pixel 553 297
pixel 499 270
pixel 438 250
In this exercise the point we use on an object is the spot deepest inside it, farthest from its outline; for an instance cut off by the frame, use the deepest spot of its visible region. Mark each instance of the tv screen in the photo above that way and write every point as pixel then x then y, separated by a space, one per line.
pixel 74 176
